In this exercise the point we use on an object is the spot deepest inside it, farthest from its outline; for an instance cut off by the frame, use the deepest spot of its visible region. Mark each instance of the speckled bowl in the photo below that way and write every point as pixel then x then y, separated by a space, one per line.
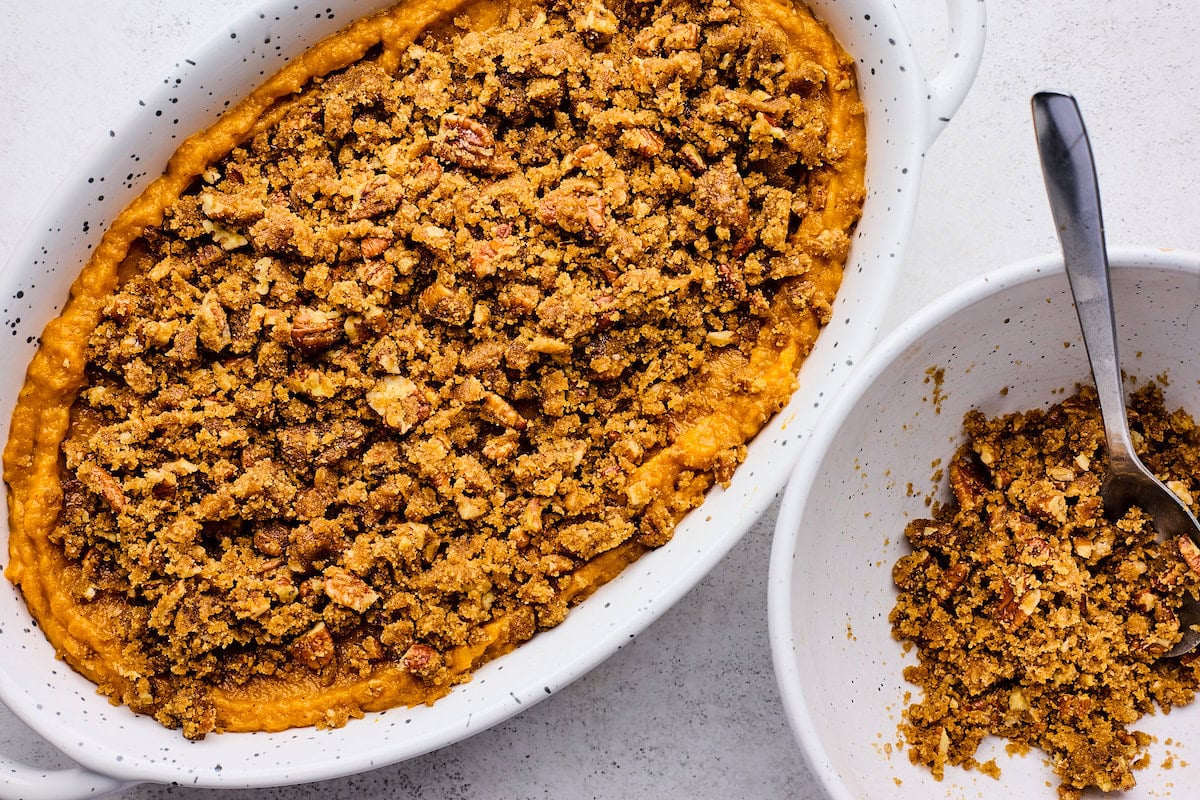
pixel 112 746
pixel 1008 341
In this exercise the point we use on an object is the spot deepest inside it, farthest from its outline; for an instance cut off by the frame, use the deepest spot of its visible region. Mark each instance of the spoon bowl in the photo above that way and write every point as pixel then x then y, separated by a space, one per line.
pixel 1071 185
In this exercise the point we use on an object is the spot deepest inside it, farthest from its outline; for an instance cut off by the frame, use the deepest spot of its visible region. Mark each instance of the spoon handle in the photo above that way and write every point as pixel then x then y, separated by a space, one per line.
pixel 1074 193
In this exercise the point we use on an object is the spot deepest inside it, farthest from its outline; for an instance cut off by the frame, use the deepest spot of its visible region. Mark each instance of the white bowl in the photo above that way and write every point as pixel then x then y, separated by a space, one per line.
pixel 113 746
pixel 1008 341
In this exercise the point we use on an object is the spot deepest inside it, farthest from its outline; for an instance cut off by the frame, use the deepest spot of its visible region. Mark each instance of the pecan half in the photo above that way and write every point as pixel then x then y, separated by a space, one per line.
pixel 314 331
pixel 428 175
pixel 381 193
pixel 464 141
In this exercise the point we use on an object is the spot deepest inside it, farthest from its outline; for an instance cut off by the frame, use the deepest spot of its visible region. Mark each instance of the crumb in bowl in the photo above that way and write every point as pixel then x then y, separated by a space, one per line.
pixel 1034 617
pixel 423 342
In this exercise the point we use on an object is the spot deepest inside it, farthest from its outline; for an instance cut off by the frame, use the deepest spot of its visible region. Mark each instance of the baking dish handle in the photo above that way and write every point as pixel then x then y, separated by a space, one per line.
pixel 964 52
pixel 23 782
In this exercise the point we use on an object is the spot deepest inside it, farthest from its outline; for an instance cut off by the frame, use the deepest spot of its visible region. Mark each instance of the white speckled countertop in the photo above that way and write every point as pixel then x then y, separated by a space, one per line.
pixel 689 709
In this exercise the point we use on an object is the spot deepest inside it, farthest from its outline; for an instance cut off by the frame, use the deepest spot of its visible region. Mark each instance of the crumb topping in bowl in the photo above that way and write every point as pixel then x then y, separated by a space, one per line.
pixel 428 350
pixel 1037 619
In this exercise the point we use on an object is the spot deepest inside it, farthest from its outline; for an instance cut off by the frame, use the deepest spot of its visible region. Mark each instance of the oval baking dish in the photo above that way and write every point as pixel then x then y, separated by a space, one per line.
pixel 115 747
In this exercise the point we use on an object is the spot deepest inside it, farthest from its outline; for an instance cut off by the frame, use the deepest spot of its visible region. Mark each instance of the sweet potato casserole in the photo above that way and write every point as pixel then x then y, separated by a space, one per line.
pixel 1035 617
pixel 440 328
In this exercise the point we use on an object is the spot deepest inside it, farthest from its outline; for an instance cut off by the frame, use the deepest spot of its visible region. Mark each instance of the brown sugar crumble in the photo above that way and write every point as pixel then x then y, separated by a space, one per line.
pixel 1035 618
pixel 432 341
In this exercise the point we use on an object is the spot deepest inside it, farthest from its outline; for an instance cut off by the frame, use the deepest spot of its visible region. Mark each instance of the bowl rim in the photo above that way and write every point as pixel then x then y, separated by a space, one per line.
pixel 780 579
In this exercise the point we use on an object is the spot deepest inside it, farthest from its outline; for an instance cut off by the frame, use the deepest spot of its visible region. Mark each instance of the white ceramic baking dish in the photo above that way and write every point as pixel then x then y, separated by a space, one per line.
pixel 112 746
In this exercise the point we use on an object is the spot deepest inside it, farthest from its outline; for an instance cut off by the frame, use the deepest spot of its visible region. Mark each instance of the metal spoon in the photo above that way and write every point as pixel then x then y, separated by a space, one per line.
pixel 1071 184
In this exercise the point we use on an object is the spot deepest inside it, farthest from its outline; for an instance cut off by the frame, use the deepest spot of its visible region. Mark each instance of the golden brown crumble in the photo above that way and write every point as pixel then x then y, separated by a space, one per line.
pixel 384 376
pixel 1036 618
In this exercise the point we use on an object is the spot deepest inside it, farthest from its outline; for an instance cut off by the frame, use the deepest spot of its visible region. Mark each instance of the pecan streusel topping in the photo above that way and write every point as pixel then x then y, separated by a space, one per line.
pixel 1036 618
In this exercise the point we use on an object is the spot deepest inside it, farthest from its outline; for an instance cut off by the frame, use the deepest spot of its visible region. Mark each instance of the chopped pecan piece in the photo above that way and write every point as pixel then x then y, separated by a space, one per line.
pixel 682 36
pixel 400 401
pixel 321 444
pixel 212 323
pixel 933 535
pixel 692 158
pixel 1145 600
pixel 731 281
pixel 597 23
pixel 451 305
pixel 556 564
pixel 642 141
pixel 951 579
pixel 373 246
pixel 722 195
pixel 1035 551
pixel 574 209
pixel 968 483
pixel 1013 610
pixel 349 590
pixel 100 481
pixel 421 660
pixel 1190 552
pixel 270 539
pixel 497 409
pixel 315 648
pixel 1048 504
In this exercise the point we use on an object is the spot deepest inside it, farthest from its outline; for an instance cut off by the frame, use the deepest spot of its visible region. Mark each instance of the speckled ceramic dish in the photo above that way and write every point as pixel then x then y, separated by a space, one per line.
pixel 112 746
pixel 1007 342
